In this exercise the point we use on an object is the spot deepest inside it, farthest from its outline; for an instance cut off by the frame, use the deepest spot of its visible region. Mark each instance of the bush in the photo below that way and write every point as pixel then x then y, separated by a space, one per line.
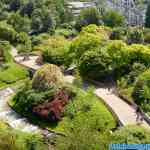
pixel 131 135
pixel 141 92
pixel 135 35
pixel 102 31
pixel 139 53
pixel 11 139
pixel 25 45
pixel 46 77
pixel 95 64
pixel 146 33
pixel 86 17
pixel 7 32
pixel 118 33
pixel 119 54
pixel 54 50
pixel 83 43
pixel 26 98
pixel 67 33
pixel 113 19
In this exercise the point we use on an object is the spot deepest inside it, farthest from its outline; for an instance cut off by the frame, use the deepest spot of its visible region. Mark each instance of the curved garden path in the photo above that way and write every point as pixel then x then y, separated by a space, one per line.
pixel 11 117
pixel 125 113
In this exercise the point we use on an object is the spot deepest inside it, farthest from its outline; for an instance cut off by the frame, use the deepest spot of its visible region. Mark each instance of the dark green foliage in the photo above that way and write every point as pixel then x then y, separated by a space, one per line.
pixel 14 5
pixel 7 32
pixel 27 97
pixel 19 23
pixel 135 35
pixel 25 45
pixel 94 64
pixel 141 92
pixel 147 19
pixel 87 16
pixel 118 33
pixel 113 19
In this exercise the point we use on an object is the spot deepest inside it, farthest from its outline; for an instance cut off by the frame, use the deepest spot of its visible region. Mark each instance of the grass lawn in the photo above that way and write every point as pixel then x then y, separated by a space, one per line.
pixel 12 74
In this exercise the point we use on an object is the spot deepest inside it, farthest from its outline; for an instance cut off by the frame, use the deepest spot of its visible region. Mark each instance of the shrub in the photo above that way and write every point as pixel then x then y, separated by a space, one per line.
pixel 25 45
pixel 113 19
pixel 67 33
pixel 146 33
pixel 95 64
pixel 7 32
pixel 46 77
pixel 11 139
pixel 135 35
pixel 118 33
pixel 86 17
pixel 102 31
pixel 82 43
pixel 119 54
pixel 141 92
pixel 131 135
pixel 139 53
pixel 54 50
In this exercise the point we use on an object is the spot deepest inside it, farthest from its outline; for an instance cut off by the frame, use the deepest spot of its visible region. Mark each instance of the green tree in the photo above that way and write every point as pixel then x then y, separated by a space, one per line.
pixel 141 92
pixel 95 64
pixel 113 19
pixel 86 17
pixel 20 24
pixel 14 5
pixel 25 44
pixel 147 19
pixel 7 32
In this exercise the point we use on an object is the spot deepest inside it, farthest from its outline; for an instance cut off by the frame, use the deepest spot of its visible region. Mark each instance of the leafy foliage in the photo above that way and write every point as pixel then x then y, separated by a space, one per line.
pixel 131 135
pixel 46 77
pixel 54 50
pixel 113 19
pixel 15 140
pixel 86 17
pixel 141 92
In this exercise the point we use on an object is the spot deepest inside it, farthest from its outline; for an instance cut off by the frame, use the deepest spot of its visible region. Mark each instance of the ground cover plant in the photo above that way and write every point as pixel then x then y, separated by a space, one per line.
pixel 12 139
pixel 9 71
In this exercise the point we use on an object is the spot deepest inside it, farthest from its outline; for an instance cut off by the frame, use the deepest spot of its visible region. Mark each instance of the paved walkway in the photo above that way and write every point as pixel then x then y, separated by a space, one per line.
pixel 125 112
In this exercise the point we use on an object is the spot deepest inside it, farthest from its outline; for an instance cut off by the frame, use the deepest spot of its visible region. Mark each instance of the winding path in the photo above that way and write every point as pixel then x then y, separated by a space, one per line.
pixel 11 117
pixel 124 112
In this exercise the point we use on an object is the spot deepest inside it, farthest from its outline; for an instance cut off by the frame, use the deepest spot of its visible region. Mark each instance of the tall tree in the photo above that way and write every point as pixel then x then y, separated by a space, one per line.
pixel 147 19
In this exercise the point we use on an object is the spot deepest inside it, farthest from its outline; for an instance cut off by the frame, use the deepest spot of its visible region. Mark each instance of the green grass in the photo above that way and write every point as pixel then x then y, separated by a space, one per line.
pixel 98 114
pixel 12 74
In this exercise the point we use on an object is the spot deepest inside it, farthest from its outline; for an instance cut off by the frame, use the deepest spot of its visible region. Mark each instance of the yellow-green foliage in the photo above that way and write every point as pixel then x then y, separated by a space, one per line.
pixel 140 53
pixel 54 49
pixel 47 76
pixel 102 31
pixel 118 52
